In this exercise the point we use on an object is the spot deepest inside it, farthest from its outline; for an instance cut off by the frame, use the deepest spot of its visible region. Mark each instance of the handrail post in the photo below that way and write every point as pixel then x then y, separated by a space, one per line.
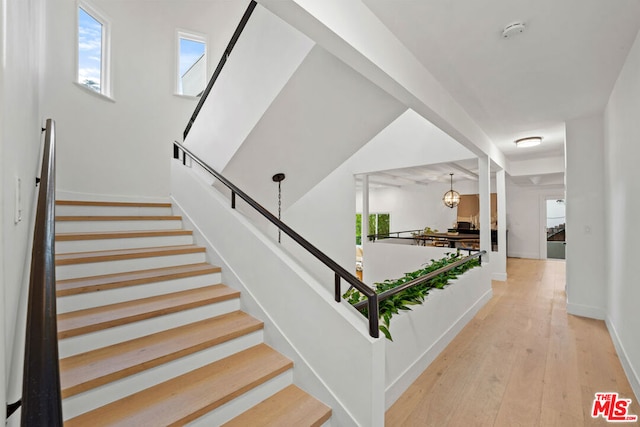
pixel 337 287
pixel 374 312
pixel 233 200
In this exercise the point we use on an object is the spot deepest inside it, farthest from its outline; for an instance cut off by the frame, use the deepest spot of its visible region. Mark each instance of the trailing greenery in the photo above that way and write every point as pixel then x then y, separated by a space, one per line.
pixel 414 295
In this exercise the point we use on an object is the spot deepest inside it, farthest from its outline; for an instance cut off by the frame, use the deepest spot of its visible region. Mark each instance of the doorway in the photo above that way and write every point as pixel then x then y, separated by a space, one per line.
pixel 555 228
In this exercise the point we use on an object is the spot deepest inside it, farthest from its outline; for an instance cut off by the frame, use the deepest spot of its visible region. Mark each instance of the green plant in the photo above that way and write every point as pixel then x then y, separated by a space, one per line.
pixel 413 295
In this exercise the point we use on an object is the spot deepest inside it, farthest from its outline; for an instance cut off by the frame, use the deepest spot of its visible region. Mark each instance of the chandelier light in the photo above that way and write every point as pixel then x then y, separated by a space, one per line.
pixel 451 198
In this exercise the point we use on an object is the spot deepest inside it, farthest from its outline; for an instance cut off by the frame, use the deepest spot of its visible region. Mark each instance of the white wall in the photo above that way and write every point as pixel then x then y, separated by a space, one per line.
pixel 622 202
pixel 586 286
pixel 319 217
pixel 20 143
pixel 416 206
pixel 526 219
pixel 125 146
pixel 388 261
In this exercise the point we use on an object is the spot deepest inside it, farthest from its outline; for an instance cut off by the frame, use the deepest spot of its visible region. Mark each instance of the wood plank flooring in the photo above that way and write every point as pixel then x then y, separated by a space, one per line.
pixel 522 361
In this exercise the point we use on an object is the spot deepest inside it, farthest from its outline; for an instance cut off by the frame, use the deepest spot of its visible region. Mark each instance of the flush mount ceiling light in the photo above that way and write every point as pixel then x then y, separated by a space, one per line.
pixel 451 198
pixel 512 29
pixel 530 141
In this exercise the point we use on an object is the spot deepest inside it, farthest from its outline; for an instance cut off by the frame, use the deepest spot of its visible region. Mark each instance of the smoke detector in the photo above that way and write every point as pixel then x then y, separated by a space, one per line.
pixel 513 29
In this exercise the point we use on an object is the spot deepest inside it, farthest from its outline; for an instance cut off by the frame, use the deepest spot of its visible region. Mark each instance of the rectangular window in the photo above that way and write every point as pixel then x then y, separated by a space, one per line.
pixel 378 224
pixel 92 50
pixel 192 64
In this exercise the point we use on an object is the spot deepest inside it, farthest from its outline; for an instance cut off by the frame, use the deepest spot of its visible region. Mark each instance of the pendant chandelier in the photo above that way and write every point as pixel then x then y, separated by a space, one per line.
pixel 451 198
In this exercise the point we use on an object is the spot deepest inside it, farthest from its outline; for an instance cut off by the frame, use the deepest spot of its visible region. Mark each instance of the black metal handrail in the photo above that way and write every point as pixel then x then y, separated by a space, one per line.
pixel 422 279
pixel 339 271
pixel 389 235
pixel 41 398
pixel 223 60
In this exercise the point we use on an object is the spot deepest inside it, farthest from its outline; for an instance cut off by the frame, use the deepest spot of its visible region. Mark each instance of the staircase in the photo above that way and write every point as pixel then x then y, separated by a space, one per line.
pixel 148 335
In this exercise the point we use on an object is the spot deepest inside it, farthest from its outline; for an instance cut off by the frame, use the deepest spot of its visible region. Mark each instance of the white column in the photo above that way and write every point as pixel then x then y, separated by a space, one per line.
pixel 500 257
pixel 484 190
pixel 365 208
pixel 365 226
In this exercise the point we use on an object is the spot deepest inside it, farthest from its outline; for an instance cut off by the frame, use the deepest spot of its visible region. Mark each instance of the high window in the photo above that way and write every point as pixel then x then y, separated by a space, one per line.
pixel 93 39
pixel 192 64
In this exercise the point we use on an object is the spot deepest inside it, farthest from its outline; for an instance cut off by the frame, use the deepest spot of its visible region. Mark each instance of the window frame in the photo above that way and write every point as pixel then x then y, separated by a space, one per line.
pixel 196 37
pixel 105 49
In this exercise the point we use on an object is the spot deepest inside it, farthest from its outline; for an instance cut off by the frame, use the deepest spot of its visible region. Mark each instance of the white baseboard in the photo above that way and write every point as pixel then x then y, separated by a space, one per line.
pixel 586 311
pixel 530 255
pixel 72 195
pixel 632 375
pixel 500 277
pixel 395 390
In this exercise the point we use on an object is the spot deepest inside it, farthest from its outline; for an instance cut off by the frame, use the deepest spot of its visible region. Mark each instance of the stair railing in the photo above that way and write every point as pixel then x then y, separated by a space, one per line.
pixel 340 273
pixel 41 398
pixel 223 60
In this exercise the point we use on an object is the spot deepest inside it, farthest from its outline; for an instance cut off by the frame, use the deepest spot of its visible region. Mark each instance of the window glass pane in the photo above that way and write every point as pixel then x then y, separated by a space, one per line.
pixel 89 51
pixel 372 224
pixel 383 224
pixel 358 229
pixel 192 68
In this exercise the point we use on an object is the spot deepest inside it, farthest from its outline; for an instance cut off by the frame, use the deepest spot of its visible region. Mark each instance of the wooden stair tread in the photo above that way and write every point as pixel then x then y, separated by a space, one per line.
pixel 289 407
pixel 120 254
pixel 118 218
pixel 85 371
pixel 117 280
pixel 189 396
pixel 109 204
pixel 93 319
pixel 68 237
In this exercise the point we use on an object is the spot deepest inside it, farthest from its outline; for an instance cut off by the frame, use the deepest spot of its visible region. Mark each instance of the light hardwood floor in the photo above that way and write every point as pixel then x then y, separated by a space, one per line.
pixel 522 361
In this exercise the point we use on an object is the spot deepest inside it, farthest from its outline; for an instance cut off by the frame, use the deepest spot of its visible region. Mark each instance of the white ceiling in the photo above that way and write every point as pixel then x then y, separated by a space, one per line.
pixel 562 66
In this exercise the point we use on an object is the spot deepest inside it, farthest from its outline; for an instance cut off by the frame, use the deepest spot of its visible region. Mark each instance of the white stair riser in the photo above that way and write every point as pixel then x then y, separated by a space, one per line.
pixel 245 401
pixel 100 396
pixel 119 225
pixel 120 266
pixel 127 293
pixel 73 246
pixel 86 342
pixel 111 210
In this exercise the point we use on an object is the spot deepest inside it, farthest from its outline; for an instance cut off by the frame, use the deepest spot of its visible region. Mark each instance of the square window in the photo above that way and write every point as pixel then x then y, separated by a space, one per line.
pixel 92 50
pixel 192 64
